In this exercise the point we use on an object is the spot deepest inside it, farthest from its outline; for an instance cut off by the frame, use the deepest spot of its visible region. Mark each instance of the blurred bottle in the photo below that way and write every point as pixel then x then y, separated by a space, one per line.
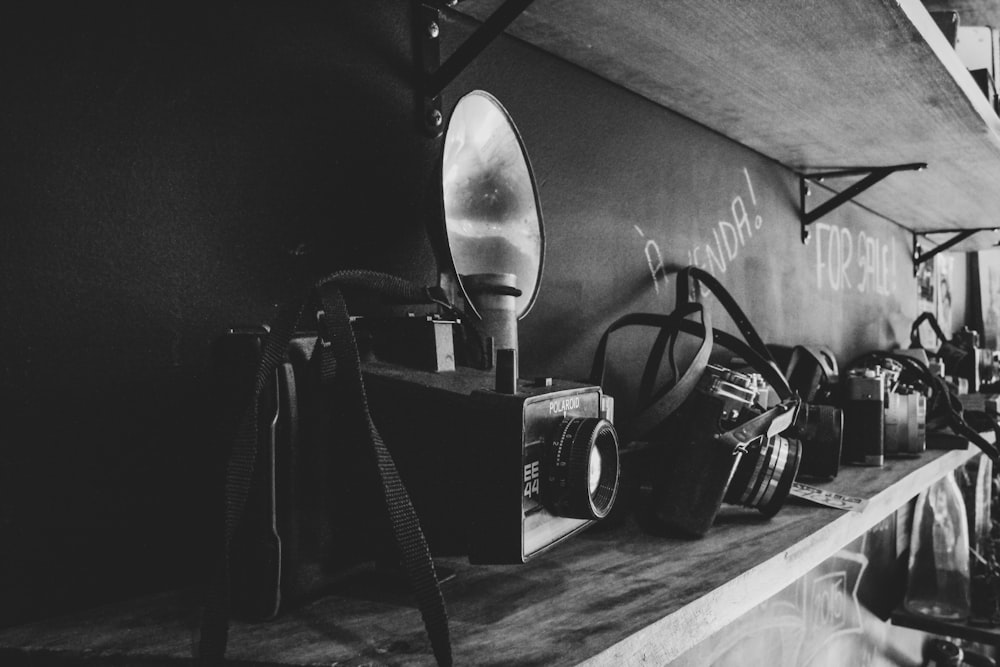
pixel 983 599
pixel 938 582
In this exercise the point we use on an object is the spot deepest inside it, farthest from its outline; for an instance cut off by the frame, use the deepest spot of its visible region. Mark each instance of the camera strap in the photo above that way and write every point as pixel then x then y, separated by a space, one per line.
pixel 340 355
pixel 673 395
pixel 808 367
pixel 771 422
pixel 754 351
pixel 948 405
pixel 687 280
pixel 915 330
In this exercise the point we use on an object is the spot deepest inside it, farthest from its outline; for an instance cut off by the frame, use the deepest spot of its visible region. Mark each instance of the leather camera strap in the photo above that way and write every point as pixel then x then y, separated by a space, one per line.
pixel 690 276
pixel 766 368
pixel 805 379
pixel 342 355
pixel 674 395
pixel 915 330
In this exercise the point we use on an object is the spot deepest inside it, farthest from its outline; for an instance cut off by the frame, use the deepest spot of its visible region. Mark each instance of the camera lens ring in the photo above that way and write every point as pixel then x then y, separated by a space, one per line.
pixel 765 474
pixel 573 488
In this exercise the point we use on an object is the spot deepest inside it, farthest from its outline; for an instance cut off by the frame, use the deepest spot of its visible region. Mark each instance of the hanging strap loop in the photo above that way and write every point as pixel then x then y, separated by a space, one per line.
pixel 339 347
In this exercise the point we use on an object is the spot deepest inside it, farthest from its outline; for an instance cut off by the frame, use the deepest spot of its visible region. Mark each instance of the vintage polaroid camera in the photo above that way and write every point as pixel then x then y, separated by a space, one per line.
pixel 498 467
pixel 724 448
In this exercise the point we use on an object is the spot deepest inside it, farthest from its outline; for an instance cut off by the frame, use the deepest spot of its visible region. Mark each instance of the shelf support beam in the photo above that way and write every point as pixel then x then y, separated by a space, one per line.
pixel 919 257
pixel 433 76
pixel 872 175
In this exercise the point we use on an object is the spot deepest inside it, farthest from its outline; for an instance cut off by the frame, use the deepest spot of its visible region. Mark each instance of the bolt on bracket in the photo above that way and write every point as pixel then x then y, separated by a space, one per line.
pixel 872 175
pixel 433 76
pixel 919 257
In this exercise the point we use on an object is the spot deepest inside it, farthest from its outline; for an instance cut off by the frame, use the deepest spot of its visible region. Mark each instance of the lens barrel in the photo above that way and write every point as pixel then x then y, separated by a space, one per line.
pixel 582 469
pixel 764 474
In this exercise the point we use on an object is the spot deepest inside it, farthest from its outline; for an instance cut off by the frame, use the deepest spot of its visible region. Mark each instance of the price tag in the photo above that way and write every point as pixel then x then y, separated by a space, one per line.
pixel 827 498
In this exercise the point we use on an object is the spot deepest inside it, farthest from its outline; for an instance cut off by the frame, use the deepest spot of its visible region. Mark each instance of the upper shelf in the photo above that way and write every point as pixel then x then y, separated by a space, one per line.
pixel 813 85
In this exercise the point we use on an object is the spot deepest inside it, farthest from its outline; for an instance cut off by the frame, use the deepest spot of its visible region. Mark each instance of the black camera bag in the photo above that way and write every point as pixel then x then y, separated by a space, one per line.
pixel 319 378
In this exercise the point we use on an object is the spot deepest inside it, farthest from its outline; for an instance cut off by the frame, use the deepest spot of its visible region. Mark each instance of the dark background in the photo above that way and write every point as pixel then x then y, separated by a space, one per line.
pixel 170 170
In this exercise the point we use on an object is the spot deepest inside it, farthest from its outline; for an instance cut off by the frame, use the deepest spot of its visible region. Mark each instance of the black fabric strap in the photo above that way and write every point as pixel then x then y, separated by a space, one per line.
pixel 915 330
pixel 409 538
pixel 239 473
pixel 416 557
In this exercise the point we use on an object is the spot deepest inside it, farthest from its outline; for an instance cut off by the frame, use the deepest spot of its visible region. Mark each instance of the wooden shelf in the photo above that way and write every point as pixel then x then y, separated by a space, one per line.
pixel 813 85
pixel 608 597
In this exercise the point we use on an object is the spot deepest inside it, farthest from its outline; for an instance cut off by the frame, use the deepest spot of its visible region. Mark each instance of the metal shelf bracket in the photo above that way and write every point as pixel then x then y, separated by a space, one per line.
pixel 433 76
pixel 872 175
pixel 919 257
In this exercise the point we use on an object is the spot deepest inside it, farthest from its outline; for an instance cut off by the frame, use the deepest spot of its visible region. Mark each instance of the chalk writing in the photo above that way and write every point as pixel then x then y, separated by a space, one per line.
pixel 729 236
pixel 808 621
pixel 654 258
pixel 853 261
pixel 717 254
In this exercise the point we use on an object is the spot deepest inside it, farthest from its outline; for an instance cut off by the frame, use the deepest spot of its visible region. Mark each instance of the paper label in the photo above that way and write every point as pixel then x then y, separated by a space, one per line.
pixel 827 498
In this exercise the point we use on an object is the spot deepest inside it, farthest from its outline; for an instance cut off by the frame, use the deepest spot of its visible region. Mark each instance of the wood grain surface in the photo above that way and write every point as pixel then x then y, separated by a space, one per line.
pixel 814 85
pixel 608 597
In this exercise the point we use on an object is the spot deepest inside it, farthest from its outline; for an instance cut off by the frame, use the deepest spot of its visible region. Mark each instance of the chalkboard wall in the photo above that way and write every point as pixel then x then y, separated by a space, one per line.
pixel 173 169
pixel 628 189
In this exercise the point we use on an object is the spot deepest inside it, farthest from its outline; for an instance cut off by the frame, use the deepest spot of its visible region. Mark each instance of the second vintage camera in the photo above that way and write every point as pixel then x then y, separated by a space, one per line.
pixel 724 448
pixel 882 415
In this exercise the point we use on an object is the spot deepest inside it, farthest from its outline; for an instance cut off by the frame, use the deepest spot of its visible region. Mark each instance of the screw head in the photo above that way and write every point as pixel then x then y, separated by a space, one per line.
pixel 434 118
pixel 433 30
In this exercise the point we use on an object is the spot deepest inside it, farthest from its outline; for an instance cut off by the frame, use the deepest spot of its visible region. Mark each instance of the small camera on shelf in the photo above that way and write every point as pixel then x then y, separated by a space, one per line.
pixel 864 416
pixel 724 447
pixel 819 425
pixel 905 421
pixel 820 431
pixel 883 416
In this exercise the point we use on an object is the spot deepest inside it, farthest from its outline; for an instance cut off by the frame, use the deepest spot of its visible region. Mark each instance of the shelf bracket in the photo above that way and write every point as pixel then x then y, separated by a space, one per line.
pixel 919 257
pixel 433 76
pixel 872 175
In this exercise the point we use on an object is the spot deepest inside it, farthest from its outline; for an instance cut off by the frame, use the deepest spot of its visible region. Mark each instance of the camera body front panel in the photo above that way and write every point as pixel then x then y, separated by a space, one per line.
pixel 476 462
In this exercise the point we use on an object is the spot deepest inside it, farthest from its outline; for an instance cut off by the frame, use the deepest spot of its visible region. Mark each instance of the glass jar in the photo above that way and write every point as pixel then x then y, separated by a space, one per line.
pixel 938 582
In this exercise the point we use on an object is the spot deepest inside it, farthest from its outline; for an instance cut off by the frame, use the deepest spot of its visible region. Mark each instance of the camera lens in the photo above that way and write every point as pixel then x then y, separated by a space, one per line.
pixel 764 474
pixel 582 469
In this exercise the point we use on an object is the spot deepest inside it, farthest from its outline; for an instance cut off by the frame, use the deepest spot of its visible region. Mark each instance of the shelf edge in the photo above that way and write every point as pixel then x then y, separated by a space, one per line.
pixel 697 621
